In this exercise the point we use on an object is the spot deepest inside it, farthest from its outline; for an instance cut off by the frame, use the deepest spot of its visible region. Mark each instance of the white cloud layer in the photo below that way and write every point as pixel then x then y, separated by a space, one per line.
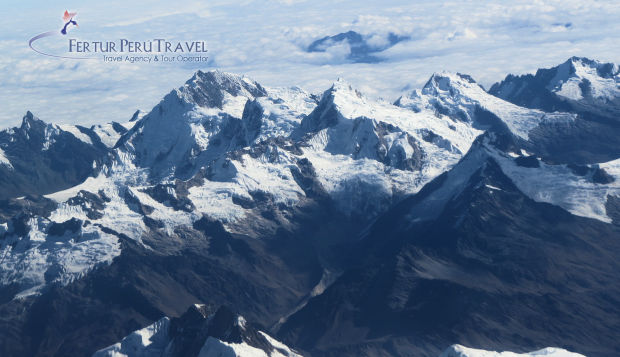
pixel 266 40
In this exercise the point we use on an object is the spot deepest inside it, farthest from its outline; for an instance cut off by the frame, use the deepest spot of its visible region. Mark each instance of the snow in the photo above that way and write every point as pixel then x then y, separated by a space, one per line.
pixel 269 173
pixel 91 184
pixel 43 259
pixel 116 214
pixel 216 348
pixel 281 349
pixel 215 201
pixel 76 132
pixel 462 351
pixel 260 174
pixel 150 341
pixel 554 184
pixel 51 131
pixel 567 85
pixel 153 341
pixel 5 160
pixel 106 133
pixel 283 111
pixel 333 149
pixel 179 130
pixel 353 104
pixel 162 213
pixel 560 186
pixel 454 183
pixel 461 96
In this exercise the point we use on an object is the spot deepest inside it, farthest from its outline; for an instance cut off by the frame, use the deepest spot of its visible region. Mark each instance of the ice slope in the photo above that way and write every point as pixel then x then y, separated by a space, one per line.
pixel 561 186
pixel 462 351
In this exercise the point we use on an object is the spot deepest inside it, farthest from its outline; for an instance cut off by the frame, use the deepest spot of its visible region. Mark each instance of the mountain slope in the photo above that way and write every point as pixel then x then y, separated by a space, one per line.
pixel 588 88
pixel 470 259
pixel 39 158
pixel 579 84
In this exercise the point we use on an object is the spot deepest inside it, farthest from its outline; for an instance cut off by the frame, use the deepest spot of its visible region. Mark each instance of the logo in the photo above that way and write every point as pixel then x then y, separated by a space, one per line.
pixel 155 50
pixel 69 22
pixel 68 19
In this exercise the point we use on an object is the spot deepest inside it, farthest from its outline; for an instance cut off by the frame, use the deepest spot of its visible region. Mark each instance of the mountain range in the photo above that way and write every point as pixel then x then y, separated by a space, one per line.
pixel 336 224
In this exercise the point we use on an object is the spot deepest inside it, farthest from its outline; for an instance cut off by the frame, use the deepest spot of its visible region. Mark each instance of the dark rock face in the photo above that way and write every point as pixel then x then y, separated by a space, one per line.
pixel 325 115
pixel 252 120
pixel 530 91
pixel 527 161
pixel 167 195
pixel 17 212
pixel 593 173
pixel 90 203
pixel 601 176
pixel 494 270
pixel 59 229
pixel 581 142
pixel 45 159
pixel 305 176
pixel 189 332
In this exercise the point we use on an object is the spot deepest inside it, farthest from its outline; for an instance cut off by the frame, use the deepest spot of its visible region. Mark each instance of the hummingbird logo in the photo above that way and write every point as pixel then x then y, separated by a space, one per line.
pixel 68 20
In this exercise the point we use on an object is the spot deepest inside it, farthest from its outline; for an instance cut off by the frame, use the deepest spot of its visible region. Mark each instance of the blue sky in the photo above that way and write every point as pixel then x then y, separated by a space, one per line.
pixel 266 40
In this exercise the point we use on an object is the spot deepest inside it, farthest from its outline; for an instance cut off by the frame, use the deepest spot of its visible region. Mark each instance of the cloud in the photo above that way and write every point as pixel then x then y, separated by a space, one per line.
pixel 267 40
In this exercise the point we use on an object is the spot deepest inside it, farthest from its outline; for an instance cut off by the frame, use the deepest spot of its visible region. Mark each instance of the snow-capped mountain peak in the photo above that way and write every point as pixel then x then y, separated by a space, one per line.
pixel 200 332
pixel 179 131
pixel 340 101
pixel 37 131
pixel 445 81
pixel 28 120
pixel 579 78
pixel 208 89
pixel 579 84
pixel 459 97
